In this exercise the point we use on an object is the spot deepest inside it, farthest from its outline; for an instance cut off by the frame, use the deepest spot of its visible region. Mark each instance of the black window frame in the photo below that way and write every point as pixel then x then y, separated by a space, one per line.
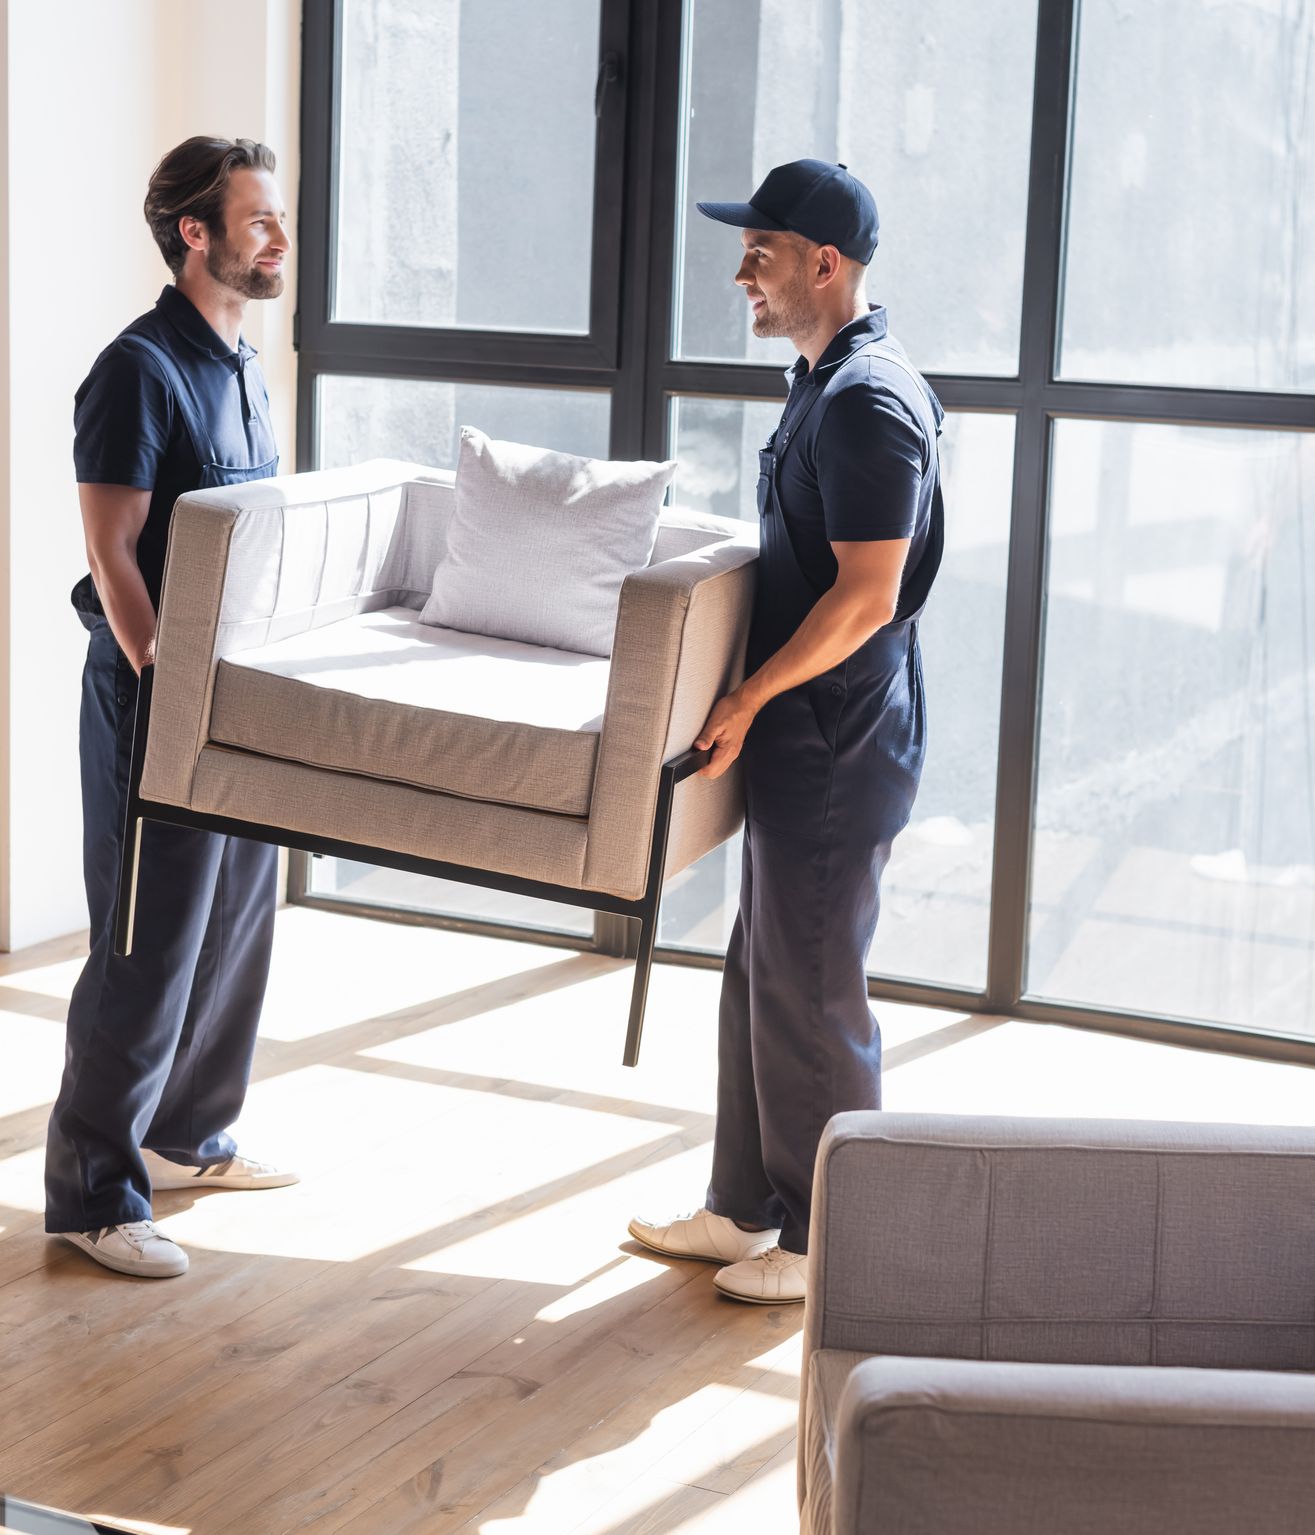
pixel 629 352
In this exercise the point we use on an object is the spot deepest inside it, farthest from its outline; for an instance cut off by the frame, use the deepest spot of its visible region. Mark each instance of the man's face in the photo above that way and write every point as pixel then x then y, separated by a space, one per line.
pixel 774 277
pixel 248 256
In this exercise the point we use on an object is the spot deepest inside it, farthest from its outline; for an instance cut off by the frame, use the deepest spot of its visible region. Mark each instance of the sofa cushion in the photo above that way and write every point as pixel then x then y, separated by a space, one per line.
pixel 488 719
pixel 540 542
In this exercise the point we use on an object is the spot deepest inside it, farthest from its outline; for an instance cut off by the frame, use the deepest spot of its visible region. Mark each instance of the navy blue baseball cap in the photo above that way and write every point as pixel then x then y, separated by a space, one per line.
pixel 813 198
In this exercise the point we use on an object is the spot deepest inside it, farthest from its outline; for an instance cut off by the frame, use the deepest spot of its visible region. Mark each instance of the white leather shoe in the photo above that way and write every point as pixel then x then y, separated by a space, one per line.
pixel 139 1248
pixel 701 1234
pixel 236 1173
pixel 777 1278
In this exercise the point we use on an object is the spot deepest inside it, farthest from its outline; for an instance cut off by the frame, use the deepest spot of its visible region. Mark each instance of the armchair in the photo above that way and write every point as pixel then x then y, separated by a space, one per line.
pixel 297 699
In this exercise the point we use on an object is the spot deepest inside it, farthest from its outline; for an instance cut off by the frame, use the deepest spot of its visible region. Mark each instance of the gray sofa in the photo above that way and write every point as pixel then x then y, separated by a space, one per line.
pixel 1059 1327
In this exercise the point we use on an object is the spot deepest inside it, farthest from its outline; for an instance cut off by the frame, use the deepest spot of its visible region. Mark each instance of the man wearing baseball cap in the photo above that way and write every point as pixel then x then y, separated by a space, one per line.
pixel 830 720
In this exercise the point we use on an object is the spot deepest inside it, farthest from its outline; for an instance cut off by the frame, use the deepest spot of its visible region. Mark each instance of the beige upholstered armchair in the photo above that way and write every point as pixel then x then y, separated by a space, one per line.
pixel 297 699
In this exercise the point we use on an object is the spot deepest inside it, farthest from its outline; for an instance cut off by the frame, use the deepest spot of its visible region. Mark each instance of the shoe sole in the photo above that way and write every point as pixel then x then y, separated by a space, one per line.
pixel 759 1300
pixel 277 1181
pixel 123 1265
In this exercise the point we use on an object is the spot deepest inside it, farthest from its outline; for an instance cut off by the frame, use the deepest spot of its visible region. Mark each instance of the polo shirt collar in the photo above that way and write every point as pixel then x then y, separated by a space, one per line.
pixel 193 327
pixel 869 327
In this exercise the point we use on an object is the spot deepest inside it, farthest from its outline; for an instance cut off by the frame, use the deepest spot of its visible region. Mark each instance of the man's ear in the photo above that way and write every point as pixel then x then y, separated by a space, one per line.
pixel 194 232
pixel 828 265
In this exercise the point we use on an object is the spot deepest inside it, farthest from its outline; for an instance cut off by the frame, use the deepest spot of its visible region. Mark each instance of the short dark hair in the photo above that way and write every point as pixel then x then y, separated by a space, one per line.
pixel 192 182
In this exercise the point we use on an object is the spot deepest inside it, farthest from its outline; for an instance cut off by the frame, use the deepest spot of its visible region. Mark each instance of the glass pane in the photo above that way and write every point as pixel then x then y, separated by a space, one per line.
pixel 1192 209
pixel 420 420
pixel 371 886
pixel 1174 868
pixel 937 891
pixel 930 105
pixel 715 444
pixel 458 121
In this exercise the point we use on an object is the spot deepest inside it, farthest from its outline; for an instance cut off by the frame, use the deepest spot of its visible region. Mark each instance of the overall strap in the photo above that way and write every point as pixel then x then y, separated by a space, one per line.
pixel 913 596
pixel 197 435
pixel 884 349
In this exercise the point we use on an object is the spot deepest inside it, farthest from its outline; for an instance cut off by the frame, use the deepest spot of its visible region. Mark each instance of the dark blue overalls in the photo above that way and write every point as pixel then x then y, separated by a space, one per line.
pixel 831 771
pixel 159 1044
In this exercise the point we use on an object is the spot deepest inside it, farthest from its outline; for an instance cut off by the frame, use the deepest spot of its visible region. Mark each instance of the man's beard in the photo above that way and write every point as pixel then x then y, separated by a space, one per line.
pixel 227 267
pixel 789 313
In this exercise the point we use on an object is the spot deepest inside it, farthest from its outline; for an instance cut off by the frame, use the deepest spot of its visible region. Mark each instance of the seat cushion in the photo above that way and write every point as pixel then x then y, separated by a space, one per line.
pixel 383 695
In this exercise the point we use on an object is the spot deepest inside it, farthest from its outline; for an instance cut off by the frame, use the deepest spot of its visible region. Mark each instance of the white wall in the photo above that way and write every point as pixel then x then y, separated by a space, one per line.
pixel 96 95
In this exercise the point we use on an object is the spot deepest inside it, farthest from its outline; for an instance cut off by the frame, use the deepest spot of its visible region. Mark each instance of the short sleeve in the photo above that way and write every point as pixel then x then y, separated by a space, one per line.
pixel 122 419
pixel 870 456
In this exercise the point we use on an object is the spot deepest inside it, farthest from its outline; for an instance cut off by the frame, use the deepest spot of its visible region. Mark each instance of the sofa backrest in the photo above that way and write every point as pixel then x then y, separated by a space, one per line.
pixel 1065 1241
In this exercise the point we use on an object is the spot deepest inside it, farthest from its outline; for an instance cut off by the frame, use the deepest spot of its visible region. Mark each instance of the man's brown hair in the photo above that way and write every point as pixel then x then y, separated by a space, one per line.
pixel 192 182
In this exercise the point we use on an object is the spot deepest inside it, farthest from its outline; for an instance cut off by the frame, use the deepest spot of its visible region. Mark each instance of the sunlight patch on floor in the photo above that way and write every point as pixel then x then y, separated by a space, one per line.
pixel 32 1050
pixel 317 985
pixel 45 980
pixel 618 1278
pixel 22 1180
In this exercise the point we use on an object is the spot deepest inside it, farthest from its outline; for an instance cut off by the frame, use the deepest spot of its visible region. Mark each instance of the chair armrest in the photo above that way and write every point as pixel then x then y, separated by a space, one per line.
pixel 977 1447
pixel 681 630
pixel 253 562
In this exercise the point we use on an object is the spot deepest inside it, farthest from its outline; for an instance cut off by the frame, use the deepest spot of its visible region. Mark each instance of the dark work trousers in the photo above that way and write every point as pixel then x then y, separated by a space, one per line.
pixel 159 1044
pixel 831 771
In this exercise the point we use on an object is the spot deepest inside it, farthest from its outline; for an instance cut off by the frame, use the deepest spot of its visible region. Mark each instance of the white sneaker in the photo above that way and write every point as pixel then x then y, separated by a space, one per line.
pixel 136 1247
pixel 236 1173
pixel 701 1234
pixel 776 1278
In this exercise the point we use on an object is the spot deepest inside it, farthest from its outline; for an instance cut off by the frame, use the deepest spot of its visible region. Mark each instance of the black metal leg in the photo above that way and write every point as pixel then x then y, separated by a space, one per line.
pixel 130 853
pixel 673 772
pixel 639 992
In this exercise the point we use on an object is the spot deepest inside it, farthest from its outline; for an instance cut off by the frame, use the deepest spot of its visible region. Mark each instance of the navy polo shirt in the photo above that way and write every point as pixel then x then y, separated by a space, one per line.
pixel 856 450
pixel 169 407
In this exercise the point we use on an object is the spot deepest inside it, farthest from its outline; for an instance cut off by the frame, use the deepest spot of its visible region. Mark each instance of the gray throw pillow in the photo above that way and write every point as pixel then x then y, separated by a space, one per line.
pixel 540 542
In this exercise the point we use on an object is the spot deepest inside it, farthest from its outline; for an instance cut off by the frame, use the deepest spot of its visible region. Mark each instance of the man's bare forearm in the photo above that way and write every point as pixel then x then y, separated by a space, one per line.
pixel 838 623
pixel 127 605
pixel 861 601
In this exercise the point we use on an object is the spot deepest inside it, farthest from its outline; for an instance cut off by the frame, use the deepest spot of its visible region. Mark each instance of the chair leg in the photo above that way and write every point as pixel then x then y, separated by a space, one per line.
pixel 672 774
pixel 131 849
pixel 639 991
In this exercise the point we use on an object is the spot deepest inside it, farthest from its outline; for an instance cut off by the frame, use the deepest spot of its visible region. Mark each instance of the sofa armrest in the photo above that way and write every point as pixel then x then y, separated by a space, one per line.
pixel 681 630
pixel 254 562
pixel 977 1447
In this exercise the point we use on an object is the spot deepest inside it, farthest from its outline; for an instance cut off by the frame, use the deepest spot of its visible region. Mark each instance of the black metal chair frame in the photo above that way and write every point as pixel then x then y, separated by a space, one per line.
pixel 645 910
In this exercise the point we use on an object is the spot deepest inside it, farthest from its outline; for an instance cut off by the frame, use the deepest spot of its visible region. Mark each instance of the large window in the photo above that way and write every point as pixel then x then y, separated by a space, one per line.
pixel 927 103
pixel 1095 221
pixel 1174 864
pixel 465 168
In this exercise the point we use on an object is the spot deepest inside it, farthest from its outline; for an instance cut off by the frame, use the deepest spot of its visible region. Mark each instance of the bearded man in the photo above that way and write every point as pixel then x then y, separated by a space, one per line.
pixel 160 1043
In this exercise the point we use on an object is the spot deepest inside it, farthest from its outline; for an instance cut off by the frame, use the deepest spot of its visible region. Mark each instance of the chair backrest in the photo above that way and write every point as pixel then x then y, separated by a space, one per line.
pixel 1065 1241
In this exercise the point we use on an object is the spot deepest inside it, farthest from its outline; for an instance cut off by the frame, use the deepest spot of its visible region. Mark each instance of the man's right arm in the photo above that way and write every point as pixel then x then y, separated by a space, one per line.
pixel 112 519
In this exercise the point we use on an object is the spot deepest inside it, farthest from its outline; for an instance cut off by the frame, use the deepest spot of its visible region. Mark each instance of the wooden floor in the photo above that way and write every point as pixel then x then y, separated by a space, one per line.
pixel 444 1326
